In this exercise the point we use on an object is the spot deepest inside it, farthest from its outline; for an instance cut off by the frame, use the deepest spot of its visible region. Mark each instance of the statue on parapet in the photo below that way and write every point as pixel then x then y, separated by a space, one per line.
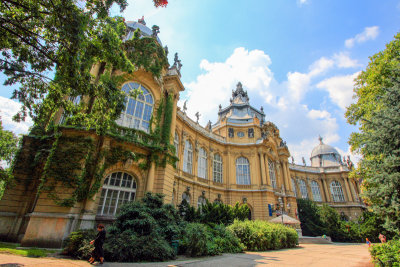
pixel 184 107
pixel 197 116
pixel 156 30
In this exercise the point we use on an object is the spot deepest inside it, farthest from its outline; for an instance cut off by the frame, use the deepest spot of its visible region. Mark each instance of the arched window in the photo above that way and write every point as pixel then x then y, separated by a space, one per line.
pixel 272 173
pixel 294 187
pixel 217 168
pixel 176 145
pixel 337 192
pixel 118 189
pixel 316 193
pixel 137 112
pixel 242 171
pixel 303 189
pixel 201 201
pixel 188 157
pixel 202 164
pixel 186 196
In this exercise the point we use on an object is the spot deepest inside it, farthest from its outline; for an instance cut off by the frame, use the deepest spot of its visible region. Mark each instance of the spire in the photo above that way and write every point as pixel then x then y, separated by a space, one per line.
pixel 320 140
pixel 239 94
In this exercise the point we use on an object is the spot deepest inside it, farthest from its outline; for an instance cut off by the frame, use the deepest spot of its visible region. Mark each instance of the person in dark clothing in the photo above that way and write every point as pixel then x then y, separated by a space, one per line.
pixel 98 252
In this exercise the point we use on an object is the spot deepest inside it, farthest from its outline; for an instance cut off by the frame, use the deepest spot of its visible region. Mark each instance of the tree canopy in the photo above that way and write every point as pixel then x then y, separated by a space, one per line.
pixel 60 50
pixel 377 112
pixel 8 148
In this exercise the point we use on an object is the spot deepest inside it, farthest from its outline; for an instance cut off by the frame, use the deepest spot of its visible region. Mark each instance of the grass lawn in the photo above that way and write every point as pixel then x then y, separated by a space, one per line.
pixel 27 252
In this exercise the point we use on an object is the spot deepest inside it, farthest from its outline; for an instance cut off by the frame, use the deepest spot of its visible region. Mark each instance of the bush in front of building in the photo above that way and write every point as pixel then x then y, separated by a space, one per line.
pixel 214 213
pixel 203 240
pixel 143 231
pixel 77 245
pixel 261 235
pixel 386 254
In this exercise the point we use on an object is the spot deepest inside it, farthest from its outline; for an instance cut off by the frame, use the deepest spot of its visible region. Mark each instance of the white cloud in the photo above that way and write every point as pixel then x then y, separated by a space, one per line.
pixel 303 2
pixel 8 108
pixel 215 85
pixel 299 125
pixel 343 60
pixel 369 33
pixel 340 89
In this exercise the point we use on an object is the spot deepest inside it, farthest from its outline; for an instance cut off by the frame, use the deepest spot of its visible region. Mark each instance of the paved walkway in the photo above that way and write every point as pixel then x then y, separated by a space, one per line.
pixel 356 255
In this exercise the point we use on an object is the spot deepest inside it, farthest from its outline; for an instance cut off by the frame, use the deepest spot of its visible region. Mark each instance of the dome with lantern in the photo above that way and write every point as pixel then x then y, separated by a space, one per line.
pixel 324 155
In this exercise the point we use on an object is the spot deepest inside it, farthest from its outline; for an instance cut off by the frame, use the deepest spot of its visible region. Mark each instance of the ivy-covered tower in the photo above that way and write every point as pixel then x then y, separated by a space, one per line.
pixel 69 177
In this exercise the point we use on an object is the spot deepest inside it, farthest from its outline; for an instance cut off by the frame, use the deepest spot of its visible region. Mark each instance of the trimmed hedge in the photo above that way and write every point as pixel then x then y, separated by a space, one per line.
pixel 386 254
pixel 261 235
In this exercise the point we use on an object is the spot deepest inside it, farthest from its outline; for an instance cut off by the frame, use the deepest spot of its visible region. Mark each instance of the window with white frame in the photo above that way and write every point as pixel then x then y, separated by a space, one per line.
pixel 188 157
pixel 137 112
pixel 242 171
pixel 201 201
pixel 118 189
pixel 337 192
pixel 294 187
pixel 176 145
pixel 316 193
pixel 202 164
pixel 272 173
pixel 303 188
pixel 217 168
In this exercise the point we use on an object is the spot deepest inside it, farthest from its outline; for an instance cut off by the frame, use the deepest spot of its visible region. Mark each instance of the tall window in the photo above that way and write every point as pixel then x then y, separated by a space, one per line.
pixel 188 157
pixel 202 164
pixel 217 168
pixel 137 112
pixel 231 132
pixel 303 189
pixel 294 187
pixel 337 192
pixel 316 193
pixel 272 173
pixel 176 145
pixel 118 189
pixel 242 171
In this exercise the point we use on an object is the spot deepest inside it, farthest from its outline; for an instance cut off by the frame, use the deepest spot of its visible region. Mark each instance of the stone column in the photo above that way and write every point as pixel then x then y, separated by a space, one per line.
pixel 210 166
pixel 266 161
pixel 150 177
pixel 288 176
pixel 328 192
pixel 262 167
pixel 283 175
pixel 349 195
pixel 322 191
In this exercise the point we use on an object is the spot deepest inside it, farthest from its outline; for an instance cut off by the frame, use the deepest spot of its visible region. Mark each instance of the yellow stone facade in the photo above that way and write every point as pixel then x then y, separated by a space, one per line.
pixel 241 158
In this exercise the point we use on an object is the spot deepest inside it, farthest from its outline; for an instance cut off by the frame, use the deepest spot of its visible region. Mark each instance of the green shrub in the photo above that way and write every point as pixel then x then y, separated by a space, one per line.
pixel 143 231
pixel 78 245
pixel 201 240
pixel 386 254
pixel 261 235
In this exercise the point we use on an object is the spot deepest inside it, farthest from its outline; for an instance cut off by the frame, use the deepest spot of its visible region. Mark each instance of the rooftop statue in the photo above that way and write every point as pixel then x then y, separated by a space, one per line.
pixel 177 62
pixel 197 116
pixel 156 30
pixel 184 106
pixel 141 21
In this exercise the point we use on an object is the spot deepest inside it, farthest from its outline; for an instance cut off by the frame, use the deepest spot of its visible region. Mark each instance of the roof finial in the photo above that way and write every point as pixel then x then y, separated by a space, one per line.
pixel 320 140
pixel 141 21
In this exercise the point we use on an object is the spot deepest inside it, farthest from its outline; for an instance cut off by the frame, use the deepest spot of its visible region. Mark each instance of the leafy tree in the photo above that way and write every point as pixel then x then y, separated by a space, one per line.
pixel 62 49
pixel 376 111
pixel 311 223
pixel 8 148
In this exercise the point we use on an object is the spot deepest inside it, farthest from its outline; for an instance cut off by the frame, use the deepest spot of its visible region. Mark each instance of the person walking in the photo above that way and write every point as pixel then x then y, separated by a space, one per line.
pixel 382 238
pixel 98 252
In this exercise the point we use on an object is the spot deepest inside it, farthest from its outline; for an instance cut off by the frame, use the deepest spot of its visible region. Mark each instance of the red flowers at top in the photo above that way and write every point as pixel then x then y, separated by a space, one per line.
pixel 160 3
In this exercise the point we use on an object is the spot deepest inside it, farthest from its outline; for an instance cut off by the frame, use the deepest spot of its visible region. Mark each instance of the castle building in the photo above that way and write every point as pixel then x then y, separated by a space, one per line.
pixel 241 158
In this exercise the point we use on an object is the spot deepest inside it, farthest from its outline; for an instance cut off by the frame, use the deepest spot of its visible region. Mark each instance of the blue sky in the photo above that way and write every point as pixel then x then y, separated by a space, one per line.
pixel 296 58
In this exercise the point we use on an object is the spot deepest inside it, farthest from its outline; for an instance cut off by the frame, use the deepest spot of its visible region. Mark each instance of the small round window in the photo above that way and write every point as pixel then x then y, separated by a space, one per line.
pixel 240 134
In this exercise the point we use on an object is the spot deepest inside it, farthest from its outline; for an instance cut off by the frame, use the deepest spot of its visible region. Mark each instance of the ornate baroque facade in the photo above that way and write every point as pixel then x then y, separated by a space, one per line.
pixel 241 158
